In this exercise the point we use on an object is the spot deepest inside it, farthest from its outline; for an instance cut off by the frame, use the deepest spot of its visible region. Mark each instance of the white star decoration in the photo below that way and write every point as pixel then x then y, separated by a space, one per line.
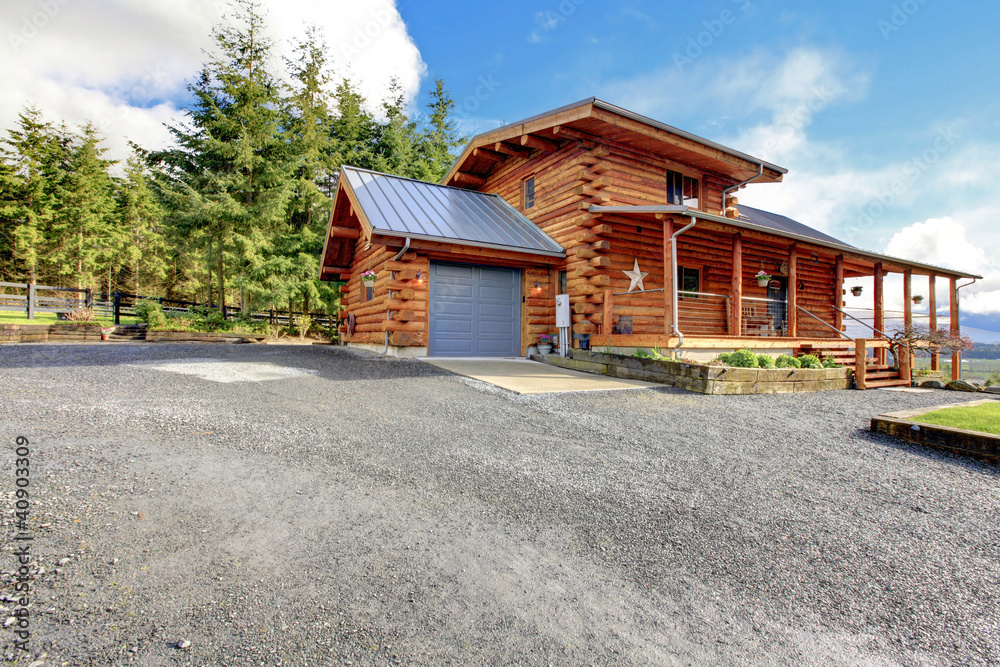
pixel 636 276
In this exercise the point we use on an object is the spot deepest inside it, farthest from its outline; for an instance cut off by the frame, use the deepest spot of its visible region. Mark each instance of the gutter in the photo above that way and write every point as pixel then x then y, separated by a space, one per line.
pixel 733 188
pixel 673 266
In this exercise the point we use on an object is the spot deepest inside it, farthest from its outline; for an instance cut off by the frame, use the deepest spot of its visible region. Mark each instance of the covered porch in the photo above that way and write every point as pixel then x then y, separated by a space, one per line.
pixel 707 297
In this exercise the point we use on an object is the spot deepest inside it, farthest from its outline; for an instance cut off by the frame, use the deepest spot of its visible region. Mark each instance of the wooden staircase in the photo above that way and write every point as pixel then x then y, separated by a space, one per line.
pixel 128 334
pixel 872 375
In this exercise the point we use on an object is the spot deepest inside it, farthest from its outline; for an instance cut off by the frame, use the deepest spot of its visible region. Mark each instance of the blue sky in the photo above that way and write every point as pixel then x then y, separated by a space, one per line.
pixel 885 113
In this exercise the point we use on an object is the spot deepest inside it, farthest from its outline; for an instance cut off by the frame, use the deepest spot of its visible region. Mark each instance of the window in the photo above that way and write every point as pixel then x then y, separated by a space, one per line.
pixel 688 279
pixel 528 193
pixel 682 190
pixel 562 283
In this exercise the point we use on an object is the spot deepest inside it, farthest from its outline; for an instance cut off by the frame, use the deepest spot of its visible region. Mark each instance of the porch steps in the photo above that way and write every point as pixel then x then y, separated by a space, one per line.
pixel 127 334
pixel 897 382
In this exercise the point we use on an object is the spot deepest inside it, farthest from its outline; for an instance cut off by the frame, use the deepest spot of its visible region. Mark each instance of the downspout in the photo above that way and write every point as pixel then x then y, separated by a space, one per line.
pixel 673 267
pixel 733 188
pixel 406 246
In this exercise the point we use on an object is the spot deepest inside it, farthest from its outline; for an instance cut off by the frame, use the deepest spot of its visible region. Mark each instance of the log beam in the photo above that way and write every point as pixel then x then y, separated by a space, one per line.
pixel 879 306
pixel 793 290
pixel 669 271
pixel 956 356
pixel 907 302
pixel 838 293
pixel 487 154
pixel 464 179
pixel 736 284
pixel 344 232
pixel 535 141
pixel 507 148
pixel 932 317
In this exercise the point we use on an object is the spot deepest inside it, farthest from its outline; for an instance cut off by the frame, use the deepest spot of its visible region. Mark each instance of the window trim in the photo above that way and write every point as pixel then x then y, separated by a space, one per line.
pixel 525 204
pixel 680 280
pixel 695 176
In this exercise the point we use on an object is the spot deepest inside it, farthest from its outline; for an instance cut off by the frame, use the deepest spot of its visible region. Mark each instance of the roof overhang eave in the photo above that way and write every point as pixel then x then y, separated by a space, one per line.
pixel 466 242
pixel 701 215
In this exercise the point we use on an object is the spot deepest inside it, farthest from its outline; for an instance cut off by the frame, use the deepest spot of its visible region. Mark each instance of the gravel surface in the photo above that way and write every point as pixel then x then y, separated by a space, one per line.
pixel 295 505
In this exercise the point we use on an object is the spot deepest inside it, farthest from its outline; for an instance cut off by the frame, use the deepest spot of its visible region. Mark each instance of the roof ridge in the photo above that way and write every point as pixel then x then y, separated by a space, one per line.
pixel 417 180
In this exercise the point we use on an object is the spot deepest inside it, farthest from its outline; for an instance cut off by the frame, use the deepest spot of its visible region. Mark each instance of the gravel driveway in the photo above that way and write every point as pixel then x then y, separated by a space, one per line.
pixel 290 505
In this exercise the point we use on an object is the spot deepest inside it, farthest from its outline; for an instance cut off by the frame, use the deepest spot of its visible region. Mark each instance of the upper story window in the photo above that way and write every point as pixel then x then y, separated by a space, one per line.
pixel 528 193
pixel 683 190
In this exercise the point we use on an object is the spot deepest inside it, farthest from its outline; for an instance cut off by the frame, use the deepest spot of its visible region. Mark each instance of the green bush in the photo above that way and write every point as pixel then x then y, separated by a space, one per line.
pixel 828 362
pixel 809 361
pixel 151 312
pixel 765 361
pixel 787 361
pixel 744 358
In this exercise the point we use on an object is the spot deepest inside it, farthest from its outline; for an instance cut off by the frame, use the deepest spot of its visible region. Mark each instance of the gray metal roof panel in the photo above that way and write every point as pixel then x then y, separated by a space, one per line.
pixel 784 224
pixel 402 206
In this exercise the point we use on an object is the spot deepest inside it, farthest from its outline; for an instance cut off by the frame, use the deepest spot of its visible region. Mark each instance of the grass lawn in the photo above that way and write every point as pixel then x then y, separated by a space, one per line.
pixel 984 418
pixel 9 317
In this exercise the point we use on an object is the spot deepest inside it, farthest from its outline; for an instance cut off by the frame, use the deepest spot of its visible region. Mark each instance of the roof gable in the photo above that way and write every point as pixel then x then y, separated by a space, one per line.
pixel 397 206
pixel 595 120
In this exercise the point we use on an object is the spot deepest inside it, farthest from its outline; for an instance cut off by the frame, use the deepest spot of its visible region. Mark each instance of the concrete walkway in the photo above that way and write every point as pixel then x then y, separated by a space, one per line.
pixel 530 377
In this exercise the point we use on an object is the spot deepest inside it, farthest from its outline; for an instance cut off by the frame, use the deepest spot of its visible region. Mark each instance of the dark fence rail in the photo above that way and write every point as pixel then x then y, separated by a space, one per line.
pixel 121 303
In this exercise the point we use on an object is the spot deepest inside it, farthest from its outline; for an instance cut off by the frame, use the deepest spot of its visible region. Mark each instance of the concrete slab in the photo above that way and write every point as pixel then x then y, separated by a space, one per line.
pixel 531 377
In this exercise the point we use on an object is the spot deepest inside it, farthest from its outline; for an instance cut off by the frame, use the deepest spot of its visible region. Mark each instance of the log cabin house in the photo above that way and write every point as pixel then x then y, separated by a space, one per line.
pixel 635 220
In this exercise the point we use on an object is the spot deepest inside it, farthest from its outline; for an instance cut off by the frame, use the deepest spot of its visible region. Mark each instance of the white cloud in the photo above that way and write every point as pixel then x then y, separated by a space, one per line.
pixel 123 64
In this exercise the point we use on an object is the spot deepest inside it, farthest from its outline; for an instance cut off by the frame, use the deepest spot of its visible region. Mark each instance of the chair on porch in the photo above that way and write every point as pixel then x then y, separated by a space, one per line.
pixel 755 324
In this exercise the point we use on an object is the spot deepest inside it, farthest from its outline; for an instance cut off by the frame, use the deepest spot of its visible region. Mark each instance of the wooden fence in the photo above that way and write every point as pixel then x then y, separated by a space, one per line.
pixel 120 303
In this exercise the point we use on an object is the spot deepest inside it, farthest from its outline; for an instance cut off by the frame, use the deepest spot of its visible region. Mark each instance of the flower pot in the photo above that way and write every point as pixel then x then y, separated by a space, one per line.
pixel 918 299
pixel 763 281
pixel 544 349
pixel 856 291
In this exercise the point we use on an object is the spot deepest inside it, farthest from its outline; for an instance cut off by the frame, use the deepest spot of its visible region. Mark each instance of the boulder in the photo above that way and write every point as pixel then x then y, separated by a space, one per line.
pixel 995 389
pixel 962 385
pixel 933 384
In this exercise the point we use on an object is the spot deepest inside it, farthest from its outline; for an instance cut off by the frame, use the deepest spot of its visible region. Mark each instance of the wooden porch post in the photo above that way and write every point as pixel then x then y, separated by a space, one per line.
pixel 956 357
pixel 608 306
pixel 668 277
pixel 736 320
pixel 879 317
pixel 838 294
pixel 860 361
pixel 793 288
pixel 932 318
pixel 907 299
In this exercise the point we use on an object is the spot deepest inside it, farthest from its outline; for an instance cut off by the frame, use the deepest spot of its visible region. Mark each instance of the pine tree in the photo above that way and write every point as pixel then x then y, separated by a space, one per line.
pixel 440 138
pixel 37 160
pixel 230 172
pixel 143 252
pixel 81 235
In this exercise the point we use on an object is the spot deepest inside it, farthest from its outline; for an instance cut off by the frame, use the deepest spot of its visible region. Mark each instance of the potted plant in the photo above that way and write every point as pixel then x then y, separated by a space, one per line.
pixel 918 299
pixel 369 278
pixel 106 331
pixel 763 278
pixel 545 344
pixel 856 290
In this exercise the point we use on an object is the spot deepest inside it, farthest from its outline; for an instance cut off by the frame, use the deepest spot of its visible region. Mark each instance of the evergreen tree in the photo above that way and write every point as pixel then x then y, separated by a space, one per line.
pixel 37 167
pixel 353 128
pixel 231 169
pixel 440 138
pixel 82 236
pixel 143 252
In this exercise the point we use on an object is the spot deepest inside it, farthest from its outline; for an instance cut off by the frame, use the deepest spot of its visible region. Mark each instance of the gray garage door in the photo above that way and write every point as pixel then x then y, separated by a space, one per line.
pixel 475 311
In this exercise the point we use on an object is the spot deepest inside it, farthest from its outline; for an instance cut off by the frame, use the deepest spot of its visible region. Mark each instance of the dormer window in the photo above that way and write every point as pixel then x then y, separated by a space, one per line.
pixel 528 193
pixel 683 190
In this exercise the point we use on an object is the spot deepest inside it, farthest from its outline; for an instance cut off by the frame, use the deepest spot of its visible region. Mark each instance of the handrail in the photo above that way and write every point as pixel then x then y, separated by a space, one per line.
pixel 641 291
pixel 826 324
pixel 880 333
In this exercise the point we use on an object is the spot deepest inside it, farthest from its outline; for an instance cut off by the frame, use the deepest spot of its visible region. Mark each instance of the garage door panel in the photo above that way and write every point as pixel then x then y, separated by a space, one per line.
pixel 475 311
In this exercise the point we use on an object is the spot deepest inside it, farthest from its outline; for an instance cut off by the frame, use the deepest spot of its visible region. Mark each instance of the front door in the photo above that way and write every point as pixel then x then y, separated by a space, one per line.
pixel 777 304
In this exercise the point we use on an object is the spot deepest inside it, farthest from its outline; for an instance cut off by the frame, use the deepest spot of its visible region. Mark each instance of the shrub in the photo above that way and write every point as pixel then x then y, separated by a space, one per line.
pixel 744 358
pixel 724 358
pixel 765 361
pixel 787 361
pixel 150 312
pixel 82 315
pixel 809 361
pixel 303 323
pixel 828 362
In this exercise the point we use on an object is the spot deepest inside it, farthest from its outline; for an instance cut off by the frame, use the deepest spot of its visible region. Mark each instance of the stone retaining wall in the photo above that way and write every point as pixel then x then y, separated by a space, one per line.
pixel 51 333
pixel 705 379
pixel 985 446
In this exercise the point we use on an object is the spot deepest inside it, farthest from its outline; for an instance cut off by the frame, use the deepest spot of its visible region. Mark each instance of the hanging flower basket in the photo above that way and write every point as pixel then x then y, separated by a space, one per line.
pixel 918 299
pixel 369 278
pixel 763 278
pixel 856 291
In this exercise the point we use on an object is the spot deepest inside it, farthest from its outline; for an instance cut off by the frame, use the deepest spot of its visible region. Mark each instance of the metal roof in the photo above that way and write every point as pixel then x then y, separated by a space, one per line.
pixel 397 206
pixel 784 224
pixel 607 106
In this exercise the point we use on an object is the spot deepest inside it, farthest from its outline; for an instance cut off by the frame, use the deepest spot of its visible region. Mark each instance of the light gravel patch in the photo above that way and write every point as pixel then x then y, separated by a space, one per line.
pixel 219 370
pixel 380 511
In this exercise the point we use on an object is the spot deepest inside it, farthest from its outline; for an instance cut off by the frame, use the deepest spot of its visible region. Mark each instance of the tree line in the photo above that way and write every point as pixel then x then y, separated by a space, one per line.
pixel 235 210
